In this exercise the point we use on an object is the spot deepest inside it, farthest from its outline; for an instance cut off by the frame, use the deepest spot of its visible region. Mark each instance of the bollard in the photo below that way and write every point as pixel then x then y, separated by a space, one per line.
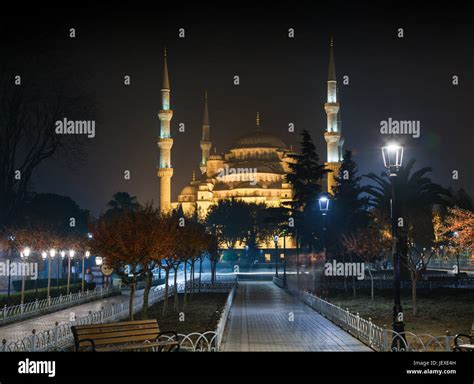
pixel 33 338
pixel 4 345
pixel 385 338
pixel 448 342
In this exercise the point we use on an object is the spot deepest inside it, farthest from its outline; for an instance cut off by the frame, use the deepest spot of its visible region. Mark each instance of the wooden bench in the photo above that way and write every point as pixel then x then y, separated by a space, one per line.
pixel 123 336
pixel 465 347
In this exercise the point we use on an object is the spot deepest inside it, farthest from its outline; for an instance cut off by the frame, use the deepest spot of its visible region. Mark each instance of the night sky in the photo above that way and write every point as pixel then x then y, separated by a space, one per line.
pixel 284 79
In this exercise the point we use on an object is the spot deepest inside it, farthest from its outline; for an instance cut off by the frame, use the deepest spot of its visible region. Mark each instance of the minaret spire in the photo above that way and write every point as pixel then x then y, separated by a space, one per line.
pixel 205 139
pixel 165 142
pixel 257 121
pixel 332 134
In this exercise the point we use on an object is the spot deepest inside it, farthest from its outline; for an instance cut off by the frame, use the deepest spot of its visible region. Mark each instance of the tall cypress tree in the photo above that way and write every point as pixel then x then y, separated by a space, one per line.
pixel 350 206
pixel 306 179
pixel 306 174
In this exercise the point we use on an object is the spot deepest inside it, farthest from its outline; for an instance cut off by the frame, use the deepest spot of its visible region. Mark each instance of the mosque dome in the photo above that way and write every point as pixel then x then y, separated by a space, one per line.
pixel 259 139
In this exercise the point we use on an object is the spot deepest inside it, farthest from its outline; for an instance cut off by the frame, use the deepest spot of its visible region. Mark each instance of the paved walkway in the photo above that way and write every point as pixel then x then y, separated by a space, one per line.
pixel 260 320
pixel 15 331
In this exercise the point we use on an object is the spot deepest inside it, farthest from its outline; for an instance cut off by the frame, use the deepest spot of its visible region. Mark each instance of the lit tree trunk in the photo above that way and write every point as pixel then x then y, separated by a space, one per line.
pixel 176 287
pixel 185 282
pixel 167 288
pixel 353 280
pixel 414 278
pixel 146 293
pixel 192 277
pixel 371 284
pixel 132 295
pixel 200 274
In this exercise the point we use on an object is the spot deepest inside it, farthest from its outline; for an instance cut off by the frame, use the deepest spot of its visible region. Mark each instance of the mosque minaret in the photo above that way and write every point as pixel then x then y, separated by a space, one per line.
pixel 165 142
pixel 333 131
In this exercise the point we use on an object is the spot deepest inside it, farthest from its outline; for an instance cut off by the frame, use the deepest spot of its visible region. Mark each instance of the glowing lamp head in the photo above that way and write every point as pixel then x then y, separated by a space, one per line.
pixel 26 252
pixel 44 255
pixel 323 204
pixel 71 253
pixel 63 254
pixel 392 157
pixel 52 252
pixel 98 260
pixel 275 239
pixel 87 254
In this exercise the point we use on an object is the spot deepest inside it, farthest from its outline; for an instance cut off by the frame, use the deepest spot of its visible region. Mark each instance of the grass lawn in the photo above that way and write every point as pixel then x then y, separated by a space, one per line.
pixel 201 313
pixel 439 311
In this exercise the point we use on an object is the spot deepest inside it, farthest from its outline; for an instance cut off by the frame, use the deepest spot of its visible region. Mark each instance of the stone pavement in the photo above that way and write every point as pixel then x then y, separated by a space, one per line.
pixel 260 320
pixel 19 330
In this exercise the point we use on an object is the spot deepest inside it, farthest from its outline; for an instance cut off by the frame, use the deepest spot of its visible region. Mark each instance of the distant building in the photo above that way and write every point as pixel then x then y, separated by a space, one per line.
pixel 252 170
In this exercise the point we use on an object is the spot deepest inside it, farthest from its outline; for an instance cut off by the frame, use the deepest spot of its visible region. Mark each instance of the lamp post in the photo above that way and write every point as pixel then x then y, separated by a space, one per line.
pixel 63 255
pixel 324 208
pixel 275 240
pixel 392 159
pixel 52 253
pixel 284 259
pixel 24 255
pixel 86 256
pixel 44 256
pixel 71 256
pixel 98 262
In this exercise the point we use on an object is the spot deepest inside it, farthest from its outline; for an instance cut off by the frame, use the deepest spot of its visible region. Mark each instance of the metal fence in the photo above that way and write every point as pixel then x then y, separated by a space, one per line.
pixel 60 336
pixel 376 337
pixel 39 307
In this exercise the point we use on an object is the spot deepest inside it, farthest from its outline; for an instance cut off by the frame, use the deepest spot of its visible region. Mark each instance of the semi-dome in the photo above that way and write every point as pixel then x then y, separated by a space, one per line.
pixel 259 139
pixel 189 190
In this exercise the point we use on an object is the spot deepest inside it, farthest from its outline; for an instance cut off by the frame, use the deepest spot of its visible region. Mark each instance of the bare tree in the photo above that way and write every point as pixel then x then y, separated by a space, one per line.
pixel 30 104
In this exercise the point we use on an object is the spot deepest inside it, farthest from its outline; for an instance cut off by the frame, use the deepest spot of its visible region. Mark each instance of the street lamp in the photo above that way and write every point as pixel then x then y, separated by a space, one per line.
pixel 392 159
pixel 24 255
pixel 52 253
pixel 324 208
pixel 71 256
pixel 98 262
pixel 86 256
pixel 275 240
pixel 63 255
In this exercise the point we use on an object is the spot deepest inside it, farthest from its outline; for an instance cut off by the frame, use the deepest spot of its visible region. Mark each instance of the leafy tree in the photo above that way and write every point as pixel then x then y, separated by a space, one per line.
pixel 120 202
pixel 228 220
pixel 416 196
pixel 58 213
pixel 130 243
pixel 368 244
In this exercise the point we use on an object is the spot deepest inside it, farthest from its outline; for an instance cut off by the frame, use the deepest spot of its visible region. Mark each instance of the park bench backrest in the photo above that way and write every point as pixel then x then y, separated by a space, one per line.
pixel 115 333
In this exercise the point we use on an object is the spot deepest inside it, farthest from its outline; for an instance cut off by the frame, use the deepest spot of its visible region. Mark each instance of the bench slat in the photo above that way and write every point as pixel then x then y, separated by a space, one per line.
pixel 116 328
pixel 108 335
pixel 137 346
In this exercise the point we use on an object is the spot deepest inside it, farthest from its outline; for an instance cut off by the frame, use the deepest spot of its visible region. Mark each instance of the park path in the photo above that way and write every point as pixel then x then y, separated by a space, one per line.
pixel 260 320
pixel 19 330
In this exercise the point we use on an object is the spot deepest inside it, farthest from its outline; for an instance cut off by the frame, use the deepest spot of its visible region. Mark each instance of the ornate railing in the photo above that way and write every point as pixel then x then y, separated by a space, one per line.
pixel 376 337
pixel 60 336
pixel 38 307
pixel 224 316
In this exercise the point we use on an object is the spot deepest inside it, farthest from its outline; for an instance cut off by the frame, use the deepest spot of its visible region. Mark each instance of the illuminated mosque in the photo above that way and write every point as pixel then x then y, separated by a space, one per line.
pixel 252 170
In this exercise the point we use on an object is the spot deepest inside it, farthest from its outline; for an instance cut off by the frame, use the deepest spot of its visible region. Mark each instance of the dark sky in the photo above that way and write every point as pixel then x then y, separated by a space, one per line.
pixel 284 79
